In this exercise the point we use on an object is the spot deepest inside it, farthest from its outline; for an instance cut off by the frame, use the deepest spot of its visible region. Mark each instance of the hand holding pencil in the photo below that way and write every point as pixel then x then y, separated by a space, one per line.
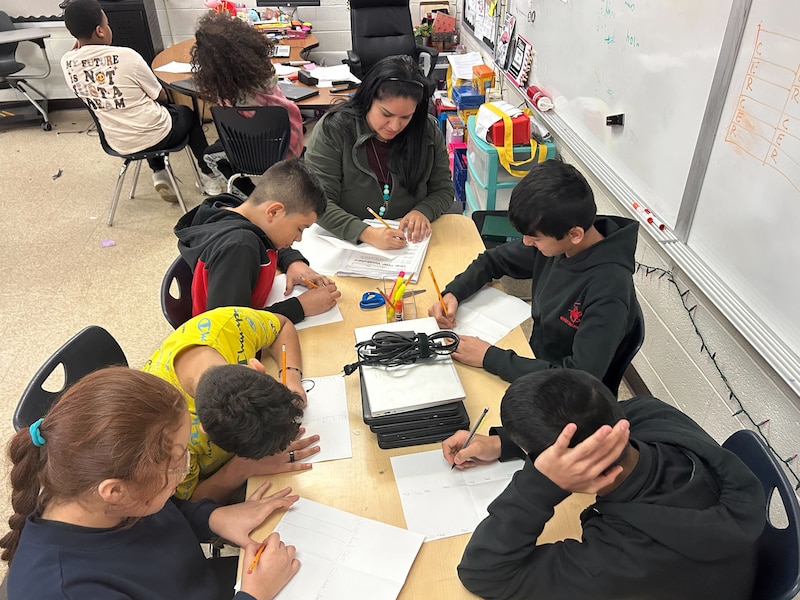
pixel 272 565
pixel 444 311
pixel 386 237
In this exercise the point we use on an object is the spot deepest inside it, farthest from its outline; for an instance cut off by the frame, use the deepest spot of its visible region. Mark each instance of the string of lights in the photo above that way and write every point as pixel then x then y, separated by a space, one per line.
pixel 741 410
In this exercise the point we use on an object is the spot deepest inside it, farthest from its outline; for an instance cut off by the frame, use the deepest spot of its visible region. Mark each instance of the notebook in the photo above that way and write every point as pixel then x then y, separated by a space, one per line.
pixel 296 93
pixel 429 382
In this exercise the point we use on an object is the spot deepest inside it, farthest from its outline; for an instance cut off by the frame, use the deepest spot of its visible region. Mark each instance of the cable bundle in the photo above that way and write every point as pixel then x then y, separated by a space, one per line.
pixel 395 348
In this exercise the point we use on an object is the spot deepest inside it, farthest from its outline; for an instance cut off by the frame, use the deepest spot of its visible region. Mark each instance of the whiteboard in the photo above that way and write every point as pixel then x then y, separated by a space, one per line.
pixel 747 222
pixel 651 60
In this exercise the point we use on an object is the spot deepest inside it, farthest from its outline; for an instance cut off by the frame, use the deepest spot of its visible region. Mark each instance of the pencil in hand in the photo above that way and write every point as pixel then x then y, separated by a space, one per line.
pixel 438 292
pixel 472 434
pixel 377 216
pixel 283 364
pixel 309 283
pixel 257 556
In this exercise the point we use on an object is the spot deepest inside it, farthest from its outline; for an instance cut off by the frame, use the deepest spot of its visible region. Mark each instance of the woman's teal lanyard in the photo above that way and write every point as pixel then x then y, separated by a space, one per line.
pixel 384 178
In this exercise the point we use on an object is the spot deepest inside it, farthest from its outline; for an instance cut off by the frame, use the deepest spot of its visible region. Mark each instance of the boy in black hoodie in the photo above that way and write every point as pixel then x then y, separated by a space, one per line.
pixel 676 515
pixel 581 266
pixel 235 247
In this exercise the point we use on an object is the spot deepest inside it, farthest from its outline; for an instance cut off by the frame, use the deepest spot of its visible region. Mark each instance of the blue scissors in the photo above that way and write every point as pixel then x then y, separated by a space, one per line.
pixel 371 300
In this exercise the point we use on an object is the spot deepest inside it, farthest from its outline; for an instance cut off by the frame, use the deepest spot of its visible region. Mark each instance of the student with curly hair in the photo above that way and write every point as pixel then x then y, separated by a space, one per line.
pixel 233 67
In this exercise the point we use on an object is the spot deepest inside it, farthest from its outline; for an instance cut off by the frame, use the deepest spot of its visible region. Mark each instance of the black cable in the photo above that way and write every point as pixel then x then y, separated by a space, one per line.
pixel 395 348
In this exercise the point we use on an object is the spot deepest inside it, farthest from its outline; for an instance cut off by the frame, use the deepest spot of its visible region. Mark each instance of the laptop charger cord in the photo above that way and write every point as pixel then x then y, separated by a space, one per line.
pixel 396 348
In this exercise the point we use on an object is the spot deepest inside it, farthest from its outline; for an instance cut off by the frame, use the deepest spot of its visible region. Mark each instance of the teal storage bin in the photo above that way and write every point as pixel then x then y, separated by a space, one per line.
pixel 485 164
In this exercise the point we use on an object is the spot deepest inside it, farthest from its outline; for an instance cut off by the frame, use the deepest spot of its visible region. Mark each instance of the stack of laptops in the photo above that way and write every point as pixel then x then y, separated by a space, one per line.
pixel 411 404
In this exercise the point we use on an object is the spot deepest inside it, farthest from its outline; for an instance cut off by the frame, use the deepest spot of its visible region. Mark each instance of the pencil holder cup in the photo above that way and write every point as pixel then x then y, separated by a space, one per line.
pixel 409 304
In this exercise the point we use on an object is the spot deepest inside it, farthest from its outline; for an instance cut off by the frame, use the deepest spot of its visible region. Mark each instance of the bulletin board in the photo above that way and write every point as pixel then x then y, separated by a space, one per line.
pixel 482 19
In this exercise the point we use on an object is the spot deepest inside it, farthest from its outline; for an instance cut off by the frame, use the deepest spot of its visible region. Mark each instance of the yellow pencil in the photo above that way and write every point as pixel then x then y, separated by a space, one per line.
pixel 283 364
pixel 257 556
pixel 377 216
pixel 438 292
pixel 309 283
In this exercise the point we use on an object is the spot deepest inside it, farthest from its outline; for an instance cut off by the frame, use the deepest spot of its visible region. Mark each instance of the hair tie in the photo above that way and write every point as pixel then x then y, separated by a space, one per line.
pixel 36 436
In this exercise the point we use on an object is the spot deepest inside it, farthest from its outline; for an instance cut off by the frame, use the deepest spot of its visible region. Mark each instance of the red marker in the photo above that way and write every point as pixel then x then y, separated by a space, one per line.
pixel 649 217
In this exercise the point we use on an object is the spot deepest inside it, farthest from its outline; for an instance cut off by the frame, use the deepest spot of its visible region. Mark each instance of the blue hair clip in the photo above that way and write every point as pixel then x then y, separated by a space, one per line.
pixel 36 436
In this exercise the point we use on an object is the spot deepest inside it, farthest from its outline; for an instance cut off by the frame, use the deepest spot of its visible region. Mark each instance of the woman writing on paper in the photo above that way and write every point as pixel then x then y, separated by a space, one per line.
pixel 232 67
pixel 381 150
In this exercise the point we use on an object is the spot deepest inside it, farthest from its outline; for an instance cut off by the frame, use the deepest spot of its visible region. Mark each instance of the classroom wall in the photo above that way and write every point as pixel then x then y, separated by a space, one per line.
pixel 177 18
pixel 671 362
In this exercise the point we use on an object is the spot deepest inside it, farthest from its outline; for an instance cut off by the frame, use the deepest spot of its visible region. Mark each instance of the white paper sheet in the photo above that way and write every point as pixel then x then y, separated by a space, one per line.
pixel 326 416
pixel 462 64
pixel 331 315
pixel 338 257
pixel 439 502
pixel 335 73
pixel 490 314
pixel 175 67
pixel 343 556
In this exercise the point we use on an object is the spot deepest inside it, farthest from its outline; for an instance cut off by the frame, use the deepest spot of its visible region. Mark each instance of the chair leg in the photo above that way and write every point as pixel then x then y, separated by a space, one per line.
pixel 174 183
pixel 17 85
pixel 117 188
pixel 195 170
pixel 136 169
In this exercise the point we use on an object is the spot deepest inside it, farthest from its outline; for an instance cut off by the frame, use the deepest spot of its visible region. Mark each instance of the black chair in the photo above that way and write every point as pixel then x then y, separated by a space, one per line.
pixel 88 350
pixel 381 28
pixel 177 309
pixel 778 570
pixel 138 157
pixel 494 227
pixel 9 65
pixel 626 350
pixel 254 138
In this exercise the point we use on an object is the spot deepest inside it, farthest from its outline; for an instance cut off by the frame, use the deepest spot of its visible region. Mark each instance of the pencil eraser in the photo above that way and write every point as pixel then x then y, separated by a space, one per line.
pixel 615 119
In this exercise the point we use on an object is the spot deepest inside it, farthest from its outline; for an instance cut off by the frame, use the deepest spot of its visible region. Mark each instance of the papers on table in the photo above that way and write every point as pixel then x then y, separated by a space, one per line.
pixel 490 314
pixel 330 255
pixel 343 556
pixel 327 75
pixel 332 315
pixel 175 67
pixel 439 502
pixel 326 416
pixel 429 382
pixel 285 70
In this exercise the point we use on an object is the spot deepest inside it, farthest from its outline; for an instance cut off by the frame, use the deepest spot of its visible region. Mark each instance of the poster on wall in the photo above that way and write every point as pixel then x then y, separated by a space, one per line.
pixel 482 18
pixel 501 55
pixel 521 61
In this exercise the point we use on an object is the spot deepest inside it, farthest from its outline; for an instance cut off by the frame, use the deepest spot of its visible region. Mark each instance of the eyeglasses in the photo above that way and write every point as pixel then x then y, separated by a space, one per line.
pixel 184 470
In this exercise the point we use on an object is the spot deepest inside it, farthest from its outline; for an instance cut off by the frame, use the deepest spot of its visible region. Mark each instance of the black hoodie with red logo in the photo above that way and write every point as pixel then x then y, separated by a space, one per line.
pixel 581 306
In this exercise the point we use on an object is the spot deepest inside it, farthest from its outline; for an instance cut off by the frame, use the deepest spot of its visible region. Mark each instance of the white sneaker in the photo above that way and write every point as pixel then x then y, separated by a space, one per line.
pixel 212 184
pixel 163 186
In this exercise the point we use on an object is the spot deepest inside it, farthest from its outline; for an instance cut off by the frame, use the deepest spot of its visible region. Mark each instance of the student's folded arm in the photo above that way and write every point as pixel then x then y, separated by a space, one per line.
pixel 197 515
pixel 513 259
pixel 289 308
pixel 232 276
pixel 287 256
pixel 501 559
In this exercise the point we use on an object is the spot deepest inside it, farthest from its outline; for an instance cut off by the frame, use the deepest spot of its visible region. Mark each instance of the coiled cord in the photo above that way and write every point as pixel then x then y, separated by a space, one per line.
pixel 395 348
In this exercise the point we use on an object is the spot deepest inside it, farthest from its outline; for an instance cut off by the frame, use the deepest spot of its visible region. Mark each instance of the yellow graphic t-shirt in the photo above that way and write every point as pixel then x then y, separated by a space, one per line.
pixel 237 333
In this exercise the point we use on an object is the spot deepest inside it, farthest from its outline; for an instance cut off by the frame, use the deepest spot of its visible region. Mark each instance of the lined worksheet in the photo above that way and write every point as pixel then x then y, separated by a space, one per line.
pixel 343 556
pixel 326 416
pixel 439 502
pixel 490 314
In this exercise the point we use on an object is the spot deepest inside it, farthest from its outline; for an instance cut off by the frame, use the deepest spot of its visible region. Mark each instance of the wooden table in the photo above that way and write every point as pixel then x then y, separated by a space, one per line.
pixel 365 485
pixel 181 52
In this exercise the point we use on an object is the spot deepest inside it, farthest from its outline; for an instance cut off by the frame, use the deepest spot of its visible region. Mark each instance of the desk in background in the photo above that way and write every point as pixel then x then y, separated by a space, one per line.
pixel 364 484
pixel 181 52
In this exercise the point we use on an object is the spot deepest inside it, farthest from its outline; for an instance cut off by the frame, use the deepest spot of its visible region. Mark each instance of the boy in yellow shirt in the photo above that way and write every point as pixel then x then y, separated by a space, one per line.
pixel 244 423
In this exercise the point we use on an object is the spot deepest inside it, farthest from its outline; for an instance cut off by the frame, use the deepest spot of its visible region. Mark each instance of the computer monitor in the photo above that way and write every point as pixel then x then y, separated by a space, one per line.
pixel 288 3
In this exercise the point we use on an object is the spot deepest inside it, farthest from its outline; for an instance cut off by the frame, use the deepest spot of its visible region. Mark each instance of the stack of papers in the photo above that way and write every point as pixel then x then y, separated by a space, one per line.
pixel 329 255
